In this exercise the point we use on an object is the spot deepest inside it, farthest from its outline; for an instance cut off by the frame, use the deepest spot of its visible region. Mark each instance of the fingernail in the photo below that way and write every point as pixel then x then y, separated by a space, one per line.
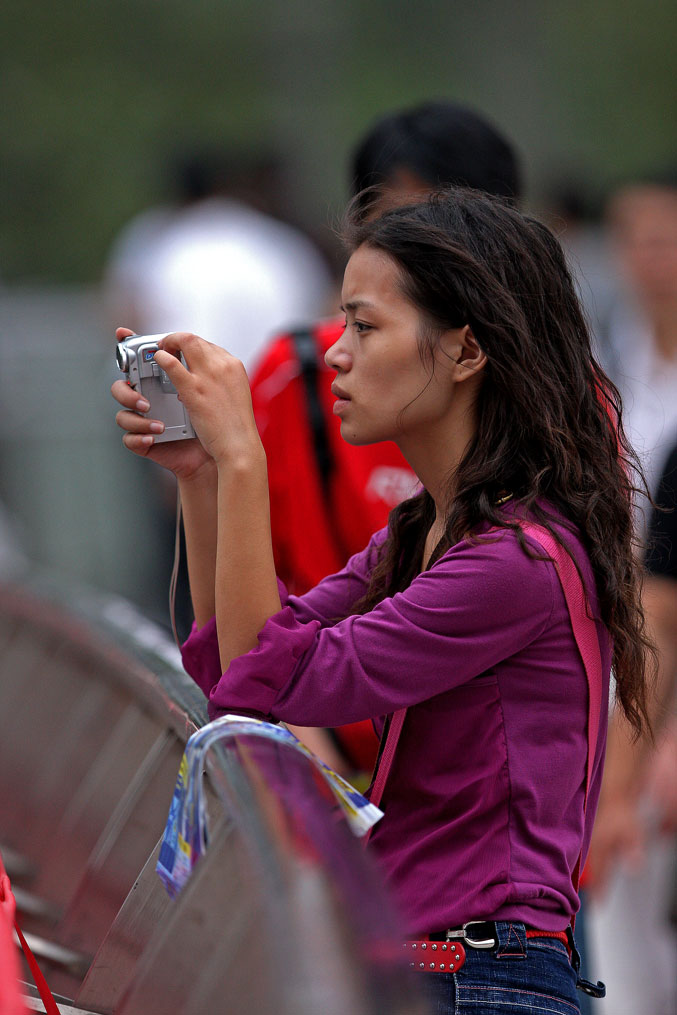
pixel 157 427
pixel 142 405
pixel 147 439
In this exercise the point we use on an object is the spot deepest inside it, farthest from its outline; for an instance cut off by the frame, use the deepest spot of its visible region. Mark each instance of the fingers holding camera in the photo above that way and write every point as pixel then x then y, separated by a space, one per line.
pixel 214 388
pixel 195 350
pixel 128 397
pixel 137 425
pixel 186 458
pixel 139 430
pixel 131 417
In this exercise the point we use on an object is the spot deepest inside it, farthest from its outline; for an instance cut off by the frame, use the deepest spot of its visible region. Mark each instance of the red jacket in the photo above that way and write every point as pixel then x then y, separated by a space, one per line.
pixel 327 498
pixel 316 526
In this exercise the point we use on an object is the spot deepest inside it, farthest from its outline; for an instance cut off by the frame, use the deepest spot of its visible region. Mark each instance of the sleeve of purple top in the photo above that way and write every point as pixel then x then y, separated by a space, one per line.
pixel 479 604
pixel 331 598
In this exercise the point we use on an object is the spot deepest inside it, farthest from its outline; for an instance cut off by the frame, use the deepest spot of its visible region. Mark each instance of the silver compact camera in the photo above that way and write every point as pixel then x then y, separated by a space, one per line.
pixel 136 359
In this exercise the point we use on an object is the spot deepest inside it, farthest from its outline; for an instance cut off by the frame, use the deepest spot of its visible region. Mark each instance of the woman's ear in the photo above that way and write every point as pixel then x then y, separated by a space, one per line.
pixel 461 346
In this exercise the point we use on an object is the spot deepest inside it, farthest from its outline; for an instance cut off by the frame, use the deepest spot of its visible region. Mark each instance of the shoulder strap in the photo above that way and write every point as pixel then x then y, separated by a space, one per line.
pixel 585 633
pixel 305 347
pixel 386 755
pixel 307 351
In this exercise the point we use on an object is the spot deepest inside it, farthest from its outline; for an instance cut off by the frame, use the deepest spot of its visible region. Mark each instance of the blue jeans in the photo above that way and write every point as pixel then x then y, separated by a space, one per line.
pixel 517 977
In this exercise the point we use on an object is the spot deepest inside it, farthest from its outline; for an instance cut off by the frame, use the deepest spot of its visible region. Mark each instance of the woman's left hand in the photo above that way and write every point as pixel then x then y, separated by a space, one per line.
pixel 214 388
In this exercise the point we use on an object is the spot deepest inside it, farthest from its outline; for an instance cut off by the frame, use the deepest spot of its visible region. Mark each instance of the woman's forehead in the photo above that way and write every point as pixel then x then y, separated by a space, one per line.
pixel 371 277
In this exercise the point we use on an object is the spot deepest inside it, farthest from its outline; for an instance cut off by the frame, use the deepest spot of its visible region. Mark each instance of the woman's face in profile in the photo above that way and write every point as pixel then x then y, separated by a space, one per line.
pixel 385 389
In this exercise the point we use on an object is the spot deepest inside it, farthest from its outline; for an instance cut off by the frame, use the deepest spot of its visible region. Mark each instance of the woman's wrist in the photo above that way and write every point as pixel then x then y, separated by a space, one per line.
pixel 242 461
pixel 204 477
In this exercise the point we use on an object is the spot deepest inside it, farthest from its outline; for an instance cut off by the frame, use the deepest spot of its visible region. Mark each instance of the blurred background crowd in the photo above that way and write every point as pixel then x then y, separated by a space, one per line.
pixel 183 166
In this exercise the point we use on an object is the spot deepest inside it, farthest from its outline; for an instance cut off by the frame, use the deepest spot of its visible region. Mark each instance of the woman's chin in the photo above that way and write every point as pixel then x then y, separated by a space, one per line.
pixel 350 435
pixel 351 438
pixel 360 438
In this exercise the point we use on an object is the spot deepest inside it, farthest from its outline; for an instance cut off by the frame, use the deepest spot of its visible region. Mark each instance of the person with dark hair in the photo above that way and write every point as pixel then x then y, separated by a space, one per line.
pixel 642 327
pixel 432 145
pixel 632 860
pixel 632 882
pixel 326 496
pixel 491 608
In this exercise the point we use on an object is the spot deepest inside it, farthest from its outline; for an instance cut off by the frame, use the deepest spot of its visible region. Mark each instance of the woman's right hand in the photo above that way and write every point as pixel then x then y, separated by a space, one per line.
pixel 185 458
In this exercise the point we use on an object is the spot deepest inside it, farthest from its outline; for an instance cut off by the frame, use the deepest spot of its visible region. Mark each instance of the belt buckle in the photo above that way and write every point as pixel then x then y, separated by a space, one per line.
pixel 473 942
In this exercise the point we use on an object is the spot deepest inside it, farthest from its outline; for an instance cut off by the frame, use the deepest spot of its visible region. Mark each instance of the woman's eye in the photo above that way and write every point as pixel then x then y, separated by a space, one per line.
pixel 361 327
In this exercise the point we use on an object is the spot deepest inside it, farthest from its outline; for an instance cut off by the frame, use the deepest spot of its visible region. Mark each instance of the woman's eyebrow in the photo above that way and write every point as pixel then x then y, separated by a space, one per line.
pixel 355 305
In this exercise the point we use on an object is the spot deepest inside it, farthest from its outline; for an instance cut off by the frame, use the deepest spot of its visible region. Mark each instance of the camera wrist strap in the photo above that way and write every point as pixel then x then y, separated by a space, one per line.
pixel 173 581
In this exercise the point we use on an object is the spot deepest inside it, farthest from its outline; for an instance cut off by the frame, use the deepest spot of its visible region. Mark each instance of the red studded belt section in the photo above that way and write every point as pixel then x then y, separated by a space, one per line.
pixel 426 956
pixel 435 956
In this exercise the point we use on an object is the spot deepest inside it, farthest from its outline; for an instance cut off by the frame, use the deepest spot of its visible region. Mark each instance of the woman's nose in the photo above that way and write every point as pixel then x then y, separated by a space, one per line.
pixel 337 356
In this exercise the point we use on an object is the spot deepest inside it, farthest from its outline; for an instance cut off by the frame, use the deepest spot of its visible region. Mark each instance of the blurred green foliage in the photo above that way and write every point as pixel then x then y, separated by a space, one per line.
pixel 95 95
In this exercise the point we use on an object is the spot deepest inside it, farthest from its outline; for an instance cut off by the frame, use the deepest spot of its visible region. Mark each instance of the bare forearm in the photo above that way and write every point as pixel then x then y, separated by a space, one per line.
pixel 660 604
pixel 230 555
pixel 246 586
pixel 199 505
pixel 625 756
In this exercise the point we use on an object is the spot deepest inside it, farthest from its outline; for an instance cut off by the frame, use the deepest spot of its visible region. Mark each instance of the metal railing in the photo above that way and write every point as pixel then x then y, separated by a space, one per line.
pixel 284 913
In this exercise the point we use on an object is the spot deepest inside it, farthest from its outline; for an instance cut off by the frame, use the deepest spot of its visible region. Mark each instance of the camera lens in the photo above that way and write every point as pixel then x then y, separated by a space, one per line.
pixel 122 358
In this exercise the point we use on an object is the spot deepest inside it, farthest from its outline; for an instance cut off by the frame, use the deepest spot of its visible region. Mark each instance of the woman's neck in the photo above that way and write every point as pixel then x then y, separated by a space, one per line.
pixel 436 456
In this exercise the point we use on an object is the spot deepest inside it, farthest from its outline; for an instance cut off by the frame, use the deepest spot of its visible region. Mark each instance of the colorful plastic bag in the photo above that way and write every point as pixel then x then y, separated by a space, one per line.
pixel 186 833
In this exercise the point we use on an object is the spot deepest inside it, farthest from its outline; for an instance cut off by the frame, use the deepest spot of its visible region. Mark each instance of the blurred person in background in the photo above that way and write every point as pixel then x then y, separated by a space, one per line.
pixel 642 326
pixel 326 496
pixel 632 866
pixel 632 870
pixel 574 216
pixel 660 597
pixel 219 262
pixel 216 257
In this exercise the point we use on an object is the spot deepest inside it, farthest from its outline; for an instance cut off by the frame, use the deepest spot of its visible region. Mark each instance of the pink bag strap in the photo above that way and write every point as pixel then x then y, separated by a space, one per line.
pixel 387 754
pixel 585 634
pixel 384 761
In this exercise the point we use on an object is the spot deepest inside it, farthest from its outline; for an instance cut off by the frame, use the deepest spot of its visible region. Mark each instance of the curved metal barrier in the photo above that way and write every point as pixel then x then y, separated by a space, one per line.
pixel 285 912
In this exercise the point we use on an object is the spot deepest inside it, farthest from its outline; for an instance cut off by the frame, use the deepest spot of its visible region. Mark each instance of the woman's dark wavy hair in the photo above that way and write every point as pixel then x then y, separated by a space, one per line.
pixel 549 427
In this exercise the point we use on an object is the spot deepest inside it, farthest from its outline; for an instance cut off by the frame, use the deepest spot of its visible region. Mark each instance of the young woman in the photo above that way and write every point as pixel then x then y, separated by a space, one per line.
pixel 464 344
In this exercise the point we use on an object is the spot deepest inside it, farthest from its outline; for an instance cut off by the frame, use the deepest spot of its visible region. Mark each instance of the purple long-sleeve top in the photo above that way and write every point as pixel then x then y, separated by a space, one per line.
pixel 484 805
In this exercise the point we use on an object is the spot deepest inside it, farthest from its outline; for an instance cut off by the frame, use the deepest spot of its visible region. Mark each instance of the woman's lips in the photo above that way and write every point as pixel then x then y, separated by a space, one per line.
pixel 342 399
